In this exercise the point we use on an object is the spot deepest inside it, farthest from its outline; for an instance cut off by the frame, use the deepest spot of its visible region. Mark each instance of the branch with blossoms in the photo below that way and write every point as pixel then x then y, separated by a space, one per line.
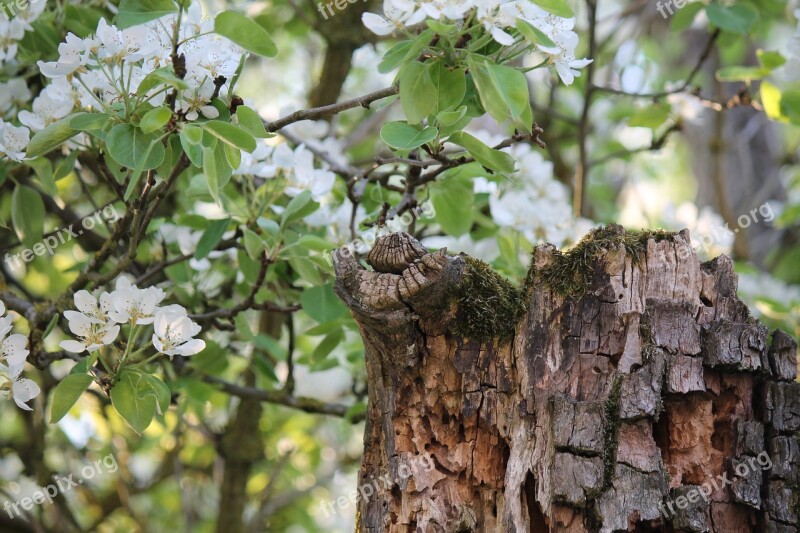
pixel 143 115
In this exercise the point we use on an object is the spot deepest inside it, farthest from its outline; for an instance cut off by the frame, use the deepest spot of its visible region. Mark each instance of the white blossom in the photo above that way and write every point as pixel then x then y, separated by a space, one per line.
pixel 22 390
pixel 13 140
pixel 173 334
pixel 132 304
pixel 94 334
pixel 498 17
pixel 13 348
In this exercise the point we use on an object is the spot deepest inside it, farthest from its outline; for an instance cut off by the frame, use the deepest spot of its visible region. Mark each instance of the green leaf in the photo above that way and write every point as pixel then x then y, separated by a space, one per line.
pixel 746 74
pixel 395 56
pixel 136 409
pixel 534 35
pixel 300 206
pixel 27 215
pixel 453 200
pixel 306 269
pixel 132 148
pixel 771 100
pixel 403 51
pixel 65 166
pixel 155 119
pixel 253 244
pixel 503 92
pixel 90 121
pixel 211 237
pixel 67 393
pixel 790 105
pixel 162 76
pixel 401 136
pixel 230 134
pixel 134 12
pixel 245 32
pixel 450 122
pixel 151 385
pixel 216 169
pixel 194 150
pixel 450 85
pixel 770 60
pixel 321 304
pixel 485 155
pixel 735 19
pixel 684 17
pixel 651 116
pixel 44 170
pixel 270 345
pixel 418 95
pixel 251 122
pixel 327 345
pixel 556 7
pixel 52 137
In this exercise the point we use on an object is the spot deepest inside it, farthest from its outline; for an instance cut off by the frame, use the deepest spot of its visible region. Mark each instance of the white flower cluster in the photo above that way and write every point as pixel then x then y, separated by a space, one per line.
pixel 13 353
pixel 13 29
pixel 107 68
pixel 97 321
pixel 15 93
pixel 535 203
pixel 496 16
pixel 297 166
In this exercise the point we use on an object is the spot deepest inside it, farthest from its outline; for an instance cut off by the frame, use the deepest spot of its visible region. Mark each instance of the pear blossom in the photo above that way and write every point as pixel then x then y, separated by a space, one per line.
pixel 197 101
pixel 304 176
pixel 13 140
pixel 13 95
pixel 132 304
pixel 13 348
pixel 94 333
pixel 498 18
pixel 22 390
pixel 72 55
pixel 53 103
pixel 173 334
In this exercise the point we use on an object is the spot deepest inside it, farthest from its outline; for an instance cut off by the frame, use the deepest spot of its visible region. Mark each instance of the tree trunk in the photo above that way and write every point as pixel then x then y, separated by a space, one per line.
pixel 622 388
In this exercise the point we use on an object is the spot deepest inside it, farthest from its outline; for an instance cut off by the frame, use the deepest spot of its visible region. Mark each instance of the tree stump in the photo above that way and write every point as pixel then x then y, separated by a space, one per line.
pixel 624 387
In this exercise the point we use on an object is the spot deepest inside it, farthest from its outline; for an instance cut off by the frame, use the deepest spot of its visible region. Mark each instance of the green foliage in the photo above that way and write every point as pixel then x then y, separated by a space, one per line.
pixel 402 136
pixel 27 215
pixel 67 393
pixel 134 12
pixel 245 32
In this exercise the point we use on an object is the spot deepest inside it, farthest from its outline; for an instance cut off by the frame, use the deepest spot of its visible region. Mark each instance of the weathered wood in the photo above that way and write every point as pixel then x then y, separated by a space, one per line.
pixel 636 395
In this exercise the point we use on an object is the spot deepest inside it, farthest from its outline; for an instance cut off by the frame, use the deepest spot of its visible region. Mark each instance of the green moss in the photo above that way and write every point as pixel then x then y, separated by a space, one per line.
pixel 611 433
pixel 489 306
pixel 571 272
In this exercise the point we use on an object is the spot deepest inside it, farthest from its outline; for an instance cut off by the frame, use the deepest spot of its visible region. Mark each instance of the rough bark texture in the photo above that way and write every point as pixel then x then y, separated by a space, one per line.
pixel 597 411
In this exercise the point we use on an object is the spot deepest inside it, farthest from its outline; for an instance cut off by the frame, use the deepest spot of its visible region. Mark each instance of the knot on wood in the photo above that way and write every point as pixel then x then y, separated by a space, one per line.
pixel 393 253
pixel 403 268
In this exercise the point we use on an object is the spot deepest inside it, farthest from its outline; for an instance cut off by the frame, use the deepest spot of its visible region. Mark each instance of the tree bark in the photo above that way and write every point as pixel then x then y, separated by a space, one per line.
pixel 621 384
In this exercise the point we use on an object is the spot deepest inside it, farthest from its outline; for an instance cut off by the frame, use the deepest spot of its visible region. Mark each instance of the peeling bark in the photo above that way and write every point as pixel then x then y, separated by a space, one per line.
pixel 597 414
